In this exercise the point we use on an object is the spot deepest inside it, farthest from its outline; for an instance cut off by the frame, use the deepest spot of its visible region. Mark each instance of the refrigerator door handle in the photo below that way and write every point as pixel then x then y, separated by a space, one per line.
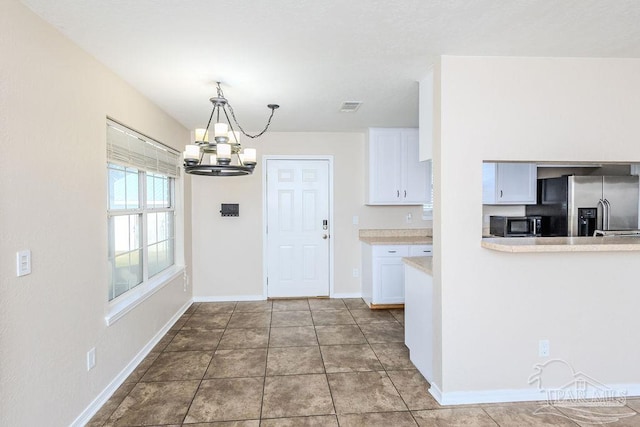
pixel 605 221
pixel 606 202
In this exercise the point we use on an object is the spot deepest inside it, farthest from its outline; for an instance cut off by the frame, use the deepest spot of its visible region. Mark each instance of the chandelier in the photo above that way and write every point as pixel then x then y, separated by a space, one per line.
pixel 221 154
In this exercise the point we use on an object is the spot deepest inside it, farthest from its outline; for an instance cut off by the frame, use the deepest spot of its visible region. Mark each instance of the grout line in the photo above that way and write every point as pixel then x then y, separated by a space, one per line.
pixel 266 363
pixel 204 374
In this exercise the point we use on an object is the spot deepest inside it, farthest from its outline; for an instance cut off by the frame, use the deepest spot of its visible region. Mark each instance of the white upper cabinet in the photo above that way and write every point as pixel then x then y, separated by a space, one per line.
pixel 509 183
pixel 395 175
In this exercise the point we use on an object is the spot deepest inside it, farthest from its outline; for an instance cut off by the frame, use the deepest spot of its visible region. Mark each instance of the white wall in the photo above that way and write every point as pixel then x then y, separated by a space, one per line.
pixel 494 307
pixel 54 100
pixel 227 252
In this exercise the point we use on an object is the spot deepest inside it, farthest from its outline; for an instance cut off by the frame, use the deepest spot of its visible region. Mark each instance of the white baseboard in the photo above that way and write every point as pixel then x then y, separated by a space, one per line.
pixel 102 398
pixel 436 393
pixel 347 295
pixel 227 298
pixel 517 395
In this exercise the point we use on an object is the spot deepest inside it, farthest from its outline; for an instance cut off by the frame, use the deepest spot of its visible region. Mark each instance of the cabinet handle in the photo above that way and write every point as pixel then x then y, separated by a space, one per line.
pixel 397 193
pixel 405 194
pixel 392 252
pixel 501 194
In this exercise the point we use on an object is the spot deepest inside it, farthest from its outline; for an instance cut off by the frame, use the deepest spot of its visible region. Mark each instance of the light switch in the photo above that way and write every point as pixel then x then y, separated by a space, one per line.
pixel 356 220
pixel 23 263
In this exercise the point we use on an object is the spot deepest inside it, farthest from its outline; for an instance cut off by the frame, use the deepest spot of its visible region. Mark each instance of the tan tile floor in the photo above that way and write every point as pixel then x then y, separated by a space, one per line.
pixel 316 362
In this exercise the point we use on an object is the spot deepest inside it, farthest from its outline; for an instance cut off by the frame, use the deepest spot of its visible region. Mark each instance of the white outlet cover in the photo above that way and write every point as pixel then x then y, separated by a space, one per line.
pixel 543 348
pixel 23 263
pixel 91 359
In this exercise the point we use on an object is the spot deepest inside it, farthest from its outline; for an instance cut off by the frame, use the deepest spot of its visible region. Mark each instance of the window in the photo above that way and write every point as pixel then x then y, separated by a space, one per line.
pixel 141 208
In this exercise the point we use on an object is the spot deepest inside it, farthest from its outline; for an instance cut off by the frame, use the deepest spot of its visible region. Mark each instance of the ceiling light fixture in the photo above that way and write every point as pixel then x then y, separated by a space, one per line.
pixel 215 157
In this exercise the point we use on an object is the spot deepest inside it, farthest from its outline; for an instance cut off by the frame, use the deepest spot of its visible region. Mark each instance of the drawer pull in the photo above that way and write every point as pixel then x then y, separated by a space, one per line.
pixel 392 252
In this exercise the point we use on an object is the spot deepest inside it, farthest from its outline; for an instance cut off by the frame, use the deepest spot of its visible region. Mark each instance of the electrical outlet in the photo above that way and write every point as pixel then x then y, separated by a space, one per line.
pixel 356 272
pixel 23 263
pixel 543 348
pixel 91 359
pixel 409 218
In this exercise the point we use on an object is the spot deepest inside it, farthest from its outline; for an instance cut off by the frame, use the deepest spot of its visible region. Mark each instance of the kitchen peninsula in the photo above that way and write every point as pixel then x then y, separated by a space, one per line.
pixel 382 267
pixel 563 244
pixel 418 313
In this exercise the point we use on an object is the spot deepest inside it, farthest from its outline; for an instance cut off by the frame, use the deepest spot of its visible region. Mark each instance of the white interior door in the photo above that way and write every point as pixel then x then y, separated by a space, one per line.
pixel 297 214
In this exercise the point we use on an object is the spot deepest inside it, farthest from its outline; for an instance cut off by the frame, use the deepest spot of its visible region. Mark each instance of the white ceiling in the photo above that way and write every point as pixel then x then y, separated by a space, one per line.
pixel 311 55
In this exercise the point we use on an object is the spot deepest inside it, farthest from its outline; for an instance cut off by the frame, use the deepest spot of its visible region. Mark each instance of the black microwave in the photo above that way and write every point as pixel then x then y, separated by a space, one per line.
pixel 515 226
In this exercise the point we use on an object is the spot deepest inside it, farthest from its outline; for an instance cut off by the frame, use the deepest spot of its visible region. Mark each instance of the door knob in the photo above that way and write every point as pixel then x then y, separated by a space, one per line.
pixel 325 236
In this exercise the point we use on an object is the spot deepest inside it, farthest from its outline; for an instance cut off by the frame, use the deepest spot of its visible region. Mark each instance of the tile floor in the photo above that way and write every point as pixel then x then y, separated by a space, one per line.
pixel 315 362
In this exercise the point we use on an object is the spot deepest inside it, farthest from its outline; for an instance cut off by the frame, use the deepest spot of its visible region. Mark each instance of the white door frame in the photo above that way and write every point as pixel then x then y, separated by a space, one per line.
pixel 266 158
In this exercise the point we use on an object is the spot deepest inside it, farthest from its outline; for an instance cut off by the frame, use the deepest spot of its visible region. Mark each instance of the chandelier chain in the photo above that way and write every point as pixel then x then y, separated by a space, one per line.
pixel 243 131
pixel 233 115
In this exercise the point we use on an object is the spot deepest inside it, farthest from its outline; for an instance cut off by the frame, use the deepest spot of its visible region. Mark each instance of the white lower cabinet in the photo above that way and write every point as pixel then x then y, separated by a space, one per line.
pixel 383 271
pixel 418 319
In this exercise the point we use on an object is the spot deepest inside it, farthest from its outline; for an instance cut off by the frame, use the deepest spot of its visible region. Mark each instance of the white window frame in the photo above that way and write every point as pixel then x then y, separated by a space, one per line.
pixel 121 305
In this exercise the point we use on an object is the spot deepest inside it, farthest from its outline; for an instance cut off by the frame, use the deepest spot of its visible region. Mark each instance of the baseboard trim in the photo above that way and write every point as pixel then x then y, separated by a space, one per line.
pixel 102 398
pixel 347 295
pixel 435 392
pixel 519 395
pixel 227 298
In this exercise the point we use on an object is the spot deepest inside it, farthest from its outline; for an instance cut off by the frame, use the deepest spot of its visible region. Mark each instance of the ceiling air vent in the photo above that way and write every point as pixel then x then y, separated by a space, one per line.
pixel 350 106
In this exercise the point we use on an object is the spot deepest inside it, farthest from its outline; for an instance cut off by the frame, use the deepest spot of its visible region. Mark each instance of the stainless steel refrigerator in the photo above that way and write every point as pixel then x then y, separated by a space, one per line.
pixel 579 205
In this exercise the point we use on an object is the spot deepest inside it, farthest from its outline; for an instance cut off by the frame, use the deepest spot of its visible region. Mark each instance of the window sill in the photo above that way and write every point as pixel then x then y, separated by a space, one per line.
pixel 118 309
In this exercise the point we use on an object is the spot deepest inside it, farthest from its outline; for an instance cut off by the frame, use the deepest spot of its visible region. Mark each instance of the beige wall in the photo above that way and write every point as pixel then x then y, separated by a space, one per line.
pixel 494 307
pixel 227 252
pixel 54 100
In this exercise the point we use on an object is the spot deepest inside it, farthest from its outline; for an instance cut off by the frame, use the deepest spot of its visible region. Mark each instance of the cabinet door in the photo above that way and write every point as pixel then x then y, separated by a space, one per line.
pixel 385 148
pixel 517 182
pixel 390 280
pixel 509 183
pixel 414 172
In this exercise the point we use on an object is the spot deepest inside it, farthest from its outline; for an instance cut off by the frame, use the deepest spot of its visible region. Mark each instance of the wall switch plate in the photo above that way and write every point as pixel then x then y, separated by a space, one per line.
pixel 543 348
pixel 91 359
pixel 23 263
pixel 356 220
pixel 409 218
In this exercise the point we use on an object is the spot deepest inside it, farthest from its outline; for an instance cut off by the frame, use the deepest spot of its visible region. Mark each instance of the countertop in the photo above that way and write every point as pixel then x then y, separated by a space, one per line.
pixel 397 240
pixel 422 263
pixel 562 244
pixel 402 236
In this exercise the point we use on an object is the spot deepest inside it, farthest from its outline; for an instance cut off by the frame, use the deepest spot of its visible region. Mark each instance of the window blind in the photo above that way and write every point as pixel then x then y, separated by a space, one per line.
pixel 129 148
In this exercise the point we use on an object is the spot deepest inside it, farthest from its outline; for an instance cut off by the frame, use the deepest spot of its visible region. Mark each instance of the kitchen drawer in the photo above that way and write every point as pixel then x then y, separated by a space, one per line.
pixel 391 251
pixel 421 250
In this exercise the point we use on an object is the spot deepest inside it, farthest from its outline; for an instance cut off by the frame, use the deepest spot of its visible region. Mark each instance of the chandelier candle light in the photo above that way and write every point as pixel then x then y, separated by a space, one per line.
pixel 222 155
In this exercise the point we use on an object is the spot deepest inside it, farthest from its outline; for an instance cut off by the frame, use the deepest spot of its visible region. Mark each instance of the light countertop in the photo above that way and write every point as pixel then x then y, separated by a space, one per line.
pixel 397 240
pixel 422 263
pixel 562 244
pixel 402 236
